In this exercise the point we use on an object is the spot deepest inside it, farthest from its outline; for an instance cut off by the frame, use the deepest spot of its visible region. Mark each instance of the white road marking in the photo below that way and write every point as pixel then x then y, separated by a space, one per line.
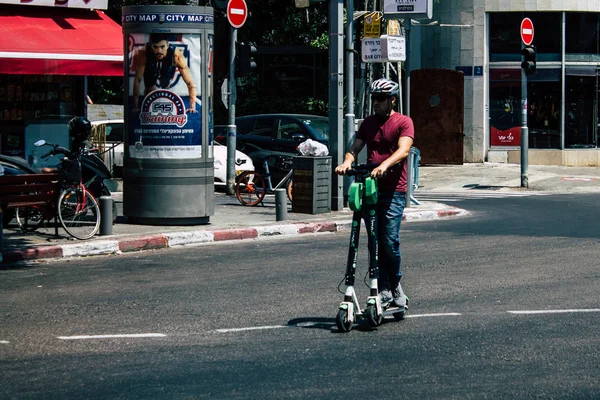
pixel 582 310
pixel 4 342
pixel 132 335
pixel 253 328
pixel 434 315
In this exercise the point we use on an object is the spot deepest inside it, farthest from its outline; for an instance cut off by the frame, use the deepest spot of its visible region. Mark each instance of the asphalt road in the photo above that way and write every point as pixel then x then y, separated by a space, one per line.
pixel 504 304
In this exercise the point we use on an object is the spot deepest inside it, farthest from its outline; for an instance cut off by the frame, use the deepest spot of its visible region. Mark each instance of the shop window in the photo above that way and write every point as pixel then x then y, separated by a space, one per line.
pixel 581 35
pixel 505 35
pixel 543 117
pixel 543 114
pixel 505 106
pixel 27 99
pixel 581 119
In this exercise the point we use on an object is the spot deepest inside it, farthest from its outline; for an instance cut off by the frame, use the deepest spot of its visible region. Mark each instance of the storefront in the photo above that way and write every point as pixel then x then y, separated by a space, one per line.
pixel 482 38
pixel 46 53
pixel 563 93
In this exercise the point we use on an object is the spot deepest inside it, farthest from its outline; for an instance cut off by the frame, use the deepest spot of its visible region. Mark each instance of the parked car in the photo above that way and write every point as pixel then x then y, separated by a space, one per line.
pixel 113 151
pixel 275 136
pixel 242 163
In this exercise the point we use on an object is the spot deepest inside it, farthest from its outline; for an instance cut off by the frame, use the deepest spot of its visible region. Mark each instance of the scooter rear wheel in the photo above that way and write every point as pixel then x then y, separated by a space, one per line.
pixel 374 319
pixel 341 320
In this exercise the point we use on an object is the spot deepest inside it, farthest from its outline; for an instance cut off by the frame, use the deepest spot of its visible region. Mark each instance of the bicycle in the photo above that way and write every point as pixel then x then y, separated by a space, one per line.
pixel 77 209
pixel 251 187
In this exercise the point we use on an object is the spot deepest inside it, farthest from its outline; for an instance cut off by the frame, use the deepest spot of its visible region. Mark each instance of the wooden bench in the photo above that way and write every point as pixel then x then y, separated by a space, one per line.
pixel 29 190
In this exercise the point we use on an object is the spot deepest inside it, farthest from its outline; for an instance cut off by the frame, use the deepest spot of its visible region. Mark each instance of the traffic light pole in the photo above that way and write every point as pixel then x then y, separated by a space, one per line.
pixel 231 128
pixel 336 96
pixel 524 131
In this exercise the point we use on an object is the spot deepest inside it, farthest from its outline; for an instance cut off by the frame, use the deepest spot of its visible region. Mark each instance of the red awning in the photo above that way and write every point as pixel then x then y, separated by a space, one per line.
pixel 59 41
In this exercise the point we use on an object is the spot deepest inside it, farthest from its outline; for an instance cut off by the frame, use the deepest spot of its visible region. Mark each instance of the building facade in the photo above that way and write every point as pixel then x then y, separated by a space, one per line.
pixel 47 51
pixel 482 39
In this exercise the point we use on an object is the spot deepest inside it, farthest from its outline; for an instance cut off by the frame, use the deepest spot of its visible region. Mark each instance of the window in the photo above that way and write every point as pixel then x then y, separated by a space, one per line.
pixel 581 118
pixel 288 128
pixel 582 42
pixel 505 35
pixel 264 127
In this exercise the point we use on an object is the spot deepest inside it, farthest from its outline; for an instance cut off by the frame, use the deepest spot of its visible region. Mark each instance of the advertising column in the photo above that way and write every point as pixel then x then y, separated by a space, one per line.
pixel 168 176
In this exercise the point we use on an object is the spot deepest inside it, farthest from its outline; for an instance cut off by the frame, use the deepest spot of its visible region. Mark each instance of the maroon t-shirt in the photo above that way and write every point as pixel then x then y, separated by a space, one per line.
pixel 382 138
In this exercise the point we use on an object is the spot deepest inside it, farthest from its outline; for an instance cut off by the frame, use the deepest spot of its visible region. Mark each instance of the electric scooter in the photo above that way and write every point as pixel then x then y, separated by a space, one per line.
pixel 362 200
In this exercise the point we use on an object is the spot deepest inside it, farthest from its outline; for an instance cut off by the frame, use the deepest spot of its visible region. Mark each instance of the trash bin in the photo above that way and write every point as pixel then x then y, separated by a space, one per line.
pixel 311 191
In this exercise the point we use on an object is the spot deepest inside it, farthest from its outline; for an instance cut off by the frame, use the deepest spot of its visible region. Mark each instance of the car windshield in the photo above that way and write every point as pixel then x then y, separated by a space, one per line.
pixel 320 126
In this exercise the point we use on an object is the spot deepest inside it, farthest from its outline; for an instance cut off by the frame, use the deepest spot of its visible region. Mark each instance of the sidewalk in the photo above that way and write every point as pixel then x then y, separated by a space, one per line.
pixel 234 222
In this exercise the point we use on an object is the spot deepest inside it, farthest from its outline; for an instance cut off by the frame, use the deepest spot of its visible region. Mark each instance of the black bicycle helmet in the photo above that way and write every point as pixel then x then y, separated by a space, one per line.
pixel 80 128
pixel 384 86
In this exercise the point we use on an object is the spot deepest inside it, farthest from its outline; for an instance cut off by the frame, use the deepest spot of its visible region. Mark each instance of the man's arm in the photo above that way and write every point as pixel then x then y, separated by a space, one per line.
pixel 140 66
pixel 350 157
pixel 186 74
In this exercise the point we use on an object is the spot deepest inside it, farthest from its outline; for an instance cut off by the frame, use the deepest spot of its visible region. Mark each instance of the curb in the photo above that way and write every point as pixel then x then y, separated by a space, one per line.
pixel 197 237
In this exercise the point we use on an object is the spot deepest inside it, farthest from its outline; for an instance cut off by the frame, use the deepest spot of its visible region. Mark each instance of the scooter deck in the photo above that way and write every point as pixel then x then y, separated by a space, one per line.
pixel 394 311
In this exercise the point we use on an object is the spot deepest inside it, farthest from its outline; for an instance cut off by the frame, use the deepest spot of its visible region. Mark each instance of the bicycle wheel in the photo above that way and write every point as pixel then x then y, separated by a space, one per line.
pixel 79 213
pixel 250 188
pixel 29 218
pixel 288 188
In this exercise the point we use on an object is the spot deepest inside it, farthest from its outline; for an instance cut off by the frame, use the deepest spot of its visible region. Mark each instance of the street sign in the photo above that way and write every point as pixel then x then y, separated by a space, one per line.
pixel 371 50
pixel 393 48
pixel 225 93
pixel 237 12
pixel 372 25
pixel 402 9
pixel 527 31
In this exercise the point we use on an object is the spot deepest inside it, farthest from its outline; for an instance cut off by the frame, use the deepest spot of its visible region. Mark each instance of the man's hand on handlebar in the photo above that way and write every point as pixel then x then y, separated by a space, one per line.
pixel 342 168
pixel 379 171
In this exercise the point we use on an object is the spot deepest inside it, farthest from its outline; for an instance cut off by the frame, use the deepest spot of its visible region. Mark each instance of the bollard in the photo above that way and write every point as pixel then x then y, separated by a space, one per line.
pixel 106 215
pixel 280 205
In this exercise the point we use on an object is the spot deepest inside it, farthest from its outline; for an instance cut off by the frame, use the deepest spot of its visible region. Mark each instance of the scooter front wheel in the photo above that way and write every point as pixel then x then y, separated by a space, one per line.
pixel 342 322
pixel 374 319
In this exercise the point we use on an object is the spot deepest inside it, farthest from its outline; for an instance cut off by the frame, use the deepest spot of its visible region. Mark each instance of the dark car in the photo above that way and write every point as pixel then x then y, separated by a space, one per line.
pixel 274 137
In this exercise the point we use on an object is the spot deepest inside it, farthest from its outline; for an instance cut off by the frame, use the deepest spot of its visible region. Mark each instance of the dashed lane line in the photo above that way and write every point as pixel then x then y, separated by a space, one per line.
pixel 531 312
pixel 117 336
pixel 252 328
pixel 434 315
pixel 308 324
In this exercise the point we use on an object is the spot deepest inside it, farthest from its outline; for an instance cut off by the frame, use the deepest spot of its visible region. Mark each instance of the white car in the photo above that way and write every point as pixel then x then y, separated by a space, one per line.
pixel 242 163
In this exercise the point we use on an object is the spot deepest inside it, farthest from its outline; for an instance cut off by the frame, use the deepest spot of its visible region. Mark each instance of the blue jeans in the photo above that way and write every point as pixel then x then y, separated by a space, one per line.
pixel 390 207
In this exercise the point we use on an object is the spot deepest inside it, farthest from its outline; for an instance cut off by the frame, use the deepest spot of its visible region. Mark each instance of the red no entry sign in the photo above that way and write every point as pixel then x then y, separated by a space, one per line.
pixel 527 31
pixel 237 12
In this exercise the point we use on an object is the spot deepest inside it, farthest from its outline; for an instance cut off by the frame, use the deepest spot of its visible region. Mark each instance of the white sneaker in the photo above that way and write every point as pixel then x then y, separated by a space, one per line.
pixel 385 296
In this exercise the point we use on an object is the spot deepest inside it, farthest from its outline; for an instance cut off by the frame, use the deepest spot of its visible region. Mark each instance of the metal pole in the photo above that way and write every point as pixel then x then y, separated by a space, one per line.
pixel 407 64
pixel 231 128
pixel 336 82
pixel 524 129
pixel 106 215
pixel 280 205
pixel 350 116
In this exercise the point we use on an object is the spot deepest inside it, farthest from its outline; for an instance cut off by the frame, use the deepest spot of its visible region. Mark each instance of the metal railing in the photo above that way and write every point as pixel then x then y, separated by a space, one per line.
pixel 413 175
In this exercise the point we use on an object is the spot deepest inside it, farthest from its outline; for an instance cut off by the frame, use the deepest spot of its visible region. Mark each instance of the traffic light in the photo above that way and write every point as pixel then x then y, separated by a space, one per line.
pixel 245 61
pixel 529 60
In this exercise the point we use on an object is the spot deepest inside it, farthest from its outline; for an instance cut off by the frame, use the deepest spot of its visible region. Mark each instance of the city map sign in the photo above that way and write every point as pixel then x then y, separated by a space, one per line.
pixel 89 4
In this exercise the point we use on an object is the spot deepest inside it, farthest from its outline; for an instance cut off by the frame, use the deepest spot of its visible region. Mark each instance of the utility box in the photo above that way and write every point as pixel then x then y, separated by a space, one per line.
pixel 311 192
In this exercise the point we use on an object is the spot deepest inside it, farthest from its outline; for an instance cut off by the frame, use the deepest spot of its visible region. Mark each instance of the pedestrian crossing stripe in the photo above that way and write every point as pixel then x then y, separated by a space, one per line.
pixel 480 194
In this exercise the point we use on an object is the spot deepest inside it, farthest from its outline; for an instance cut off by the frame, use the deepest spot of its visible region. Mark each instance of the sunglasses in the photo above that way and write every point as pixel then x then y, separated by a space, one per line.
pixel 379 98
